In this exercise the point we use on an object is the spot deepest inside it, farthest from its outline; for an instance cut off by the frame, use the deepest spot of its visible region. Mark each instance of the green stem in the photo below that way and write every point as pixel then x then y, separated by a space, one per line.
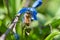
pixel 51 36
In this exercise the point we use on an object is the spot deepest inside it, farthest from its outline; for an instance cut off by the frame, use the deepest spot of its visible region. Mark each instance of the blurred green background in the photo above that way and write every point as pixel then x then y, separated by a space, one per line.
pixel 47 27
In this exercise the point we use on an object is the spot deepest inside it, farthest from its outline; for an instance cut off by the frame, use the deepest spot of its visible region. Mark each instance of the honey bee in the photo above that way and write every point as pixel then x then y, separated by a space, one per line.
pixel 27 18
